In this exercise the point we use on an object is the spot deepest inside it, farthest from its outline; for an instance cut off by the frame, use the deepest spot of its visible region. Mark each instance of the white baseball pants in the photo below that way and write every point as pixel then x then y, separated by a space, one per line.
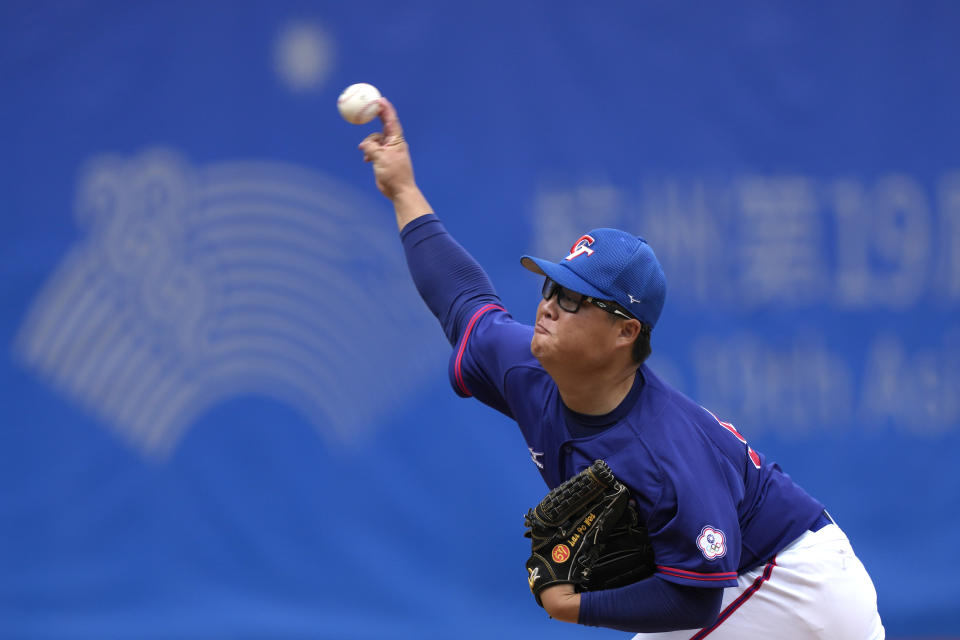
pixel 814 588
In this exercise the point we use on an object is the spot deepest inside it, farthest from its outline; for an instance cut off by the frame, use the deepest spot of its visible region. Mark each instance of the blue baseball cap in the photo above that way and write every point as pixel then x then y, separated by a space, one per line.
pixel 609 264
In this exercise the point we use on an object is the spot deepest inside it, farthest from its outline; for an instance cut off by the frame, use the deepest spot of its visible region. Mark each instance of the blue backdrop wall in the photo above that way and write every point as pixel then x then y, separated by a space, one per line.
pixel 224 411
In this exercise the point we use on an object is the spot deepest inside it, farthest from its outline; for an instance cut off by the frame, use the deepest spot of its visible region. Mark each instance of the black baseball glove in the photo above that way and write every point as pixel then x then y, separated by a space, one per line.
pixel 586 532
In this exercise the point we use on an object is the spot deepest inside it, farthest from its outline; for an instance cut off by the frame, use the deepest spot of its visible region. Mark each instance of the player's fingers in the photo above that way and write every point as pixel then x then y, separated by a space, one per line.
pixel 373 140
pixel 370 144
pixel 391 123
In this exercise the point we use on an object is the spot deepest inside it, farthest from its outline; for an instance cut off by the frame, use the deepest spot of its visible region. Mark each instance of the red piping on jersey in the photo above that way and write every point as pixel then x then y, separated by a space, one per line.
pixel 733 606
pixel 458 375
pixel 693 575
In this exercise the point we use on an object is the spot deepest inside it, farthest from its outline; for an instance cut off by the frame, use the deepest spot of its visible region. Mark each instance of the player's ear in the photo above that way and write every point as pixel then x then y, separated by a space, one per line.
pixel 629 330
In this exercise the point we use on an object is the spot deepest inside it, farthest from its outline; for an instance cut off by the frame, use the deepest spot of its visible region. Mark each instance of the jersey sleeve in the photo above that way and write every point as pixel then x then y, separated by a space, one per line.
pixel 694 527
pixel 492 343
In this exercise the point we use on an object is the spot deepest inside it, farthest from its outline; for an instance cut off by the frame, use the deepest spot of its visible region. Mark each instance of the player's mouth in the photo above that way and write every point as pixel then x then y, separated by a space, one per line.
pixel 539 328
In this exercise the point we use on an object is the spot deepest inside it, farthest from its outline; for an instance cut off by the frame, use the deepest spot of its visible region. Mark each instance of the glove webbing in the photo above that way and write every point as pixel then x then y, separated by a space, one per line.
pixel 570 498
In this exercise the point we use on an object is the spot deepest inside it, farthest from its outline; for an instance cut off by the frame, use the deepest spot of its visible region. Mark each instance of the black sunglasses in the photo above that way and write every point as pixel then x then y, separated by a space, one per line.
pixel 570 301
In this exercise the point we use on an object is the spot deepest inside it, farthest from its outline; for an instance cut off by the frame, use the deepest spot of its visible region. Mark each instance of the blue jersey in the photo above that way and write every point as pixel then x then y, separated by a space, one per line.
pixel 713 506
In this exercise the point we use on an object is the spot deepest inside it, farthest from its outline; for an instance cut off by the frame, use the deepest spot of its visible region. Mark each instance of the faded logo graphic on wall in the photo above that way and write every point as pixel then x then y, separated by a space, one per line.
pixel 193 285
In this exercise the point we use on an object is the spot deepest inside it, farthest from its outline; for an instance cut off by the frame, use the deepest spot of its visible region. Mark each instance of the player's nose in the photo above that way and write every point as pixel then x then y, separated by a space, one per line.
pixel 548 308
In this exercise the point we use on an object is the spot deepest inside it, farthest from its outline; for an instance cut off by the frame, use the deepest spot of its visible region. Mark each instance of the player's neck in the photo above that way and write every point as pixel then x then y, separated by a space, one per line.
pixel 594 394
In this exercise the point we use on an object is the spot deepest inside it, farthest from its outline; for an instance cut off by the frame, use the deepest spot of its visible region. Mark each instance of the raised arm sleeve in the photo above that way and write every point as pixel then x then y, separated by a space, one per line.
pixel 448 278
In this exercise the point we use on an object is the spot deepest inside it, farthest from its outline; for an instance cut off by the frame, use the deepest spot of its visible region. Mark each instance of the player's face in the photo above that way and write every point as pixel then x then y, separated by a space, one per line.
pixel 580 341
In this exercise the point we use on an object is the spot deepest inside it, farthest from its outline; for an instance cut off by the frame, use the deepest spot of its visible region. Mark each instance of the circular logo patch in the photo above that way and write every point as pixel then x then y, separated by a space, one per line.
pixel 712 543
pixel 561 553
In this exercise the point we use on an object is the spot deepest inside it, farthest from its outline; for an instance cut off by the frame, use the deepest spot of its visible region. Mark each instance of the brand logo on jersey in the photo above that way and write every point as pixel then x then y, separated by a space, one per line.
pixel 581 247
pixel 533 577
pixel 534 455
pixel 712 543
pixel 560 553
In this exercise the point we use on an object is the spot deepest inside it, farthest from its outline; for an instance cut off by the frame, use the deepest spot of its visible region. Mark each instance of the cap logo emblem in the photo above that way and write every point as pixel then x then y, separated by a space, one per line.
pixel 581 247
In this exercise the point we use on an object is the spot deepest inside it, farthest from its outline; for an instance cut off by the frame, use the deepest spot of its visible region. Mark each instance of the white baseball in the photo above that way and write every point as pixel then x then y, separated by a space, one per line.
pixel 358 103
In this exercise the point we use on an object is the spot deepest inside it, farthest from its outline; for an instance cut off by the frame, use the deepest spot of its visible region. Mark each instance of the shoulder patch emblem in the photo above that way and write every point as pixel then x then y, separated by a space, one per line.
pixel 712 543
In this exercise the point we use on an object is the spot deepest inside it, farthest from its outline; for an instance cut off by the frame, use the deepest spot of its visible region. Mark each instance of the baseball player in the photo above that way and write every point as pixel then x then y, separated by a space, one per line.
pixel 740 549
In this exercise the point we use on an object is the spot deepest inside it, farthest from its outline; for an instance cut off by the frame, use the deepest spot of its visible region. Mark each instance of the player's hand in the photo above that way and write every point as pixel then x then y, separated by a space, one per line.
pixel 390 155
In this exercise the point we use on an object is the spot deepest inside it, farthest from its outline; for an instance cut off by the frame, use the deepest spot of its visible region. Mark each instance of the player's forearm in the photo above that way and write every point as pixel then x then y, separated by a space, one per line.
pixel 410 204
pixel 649 606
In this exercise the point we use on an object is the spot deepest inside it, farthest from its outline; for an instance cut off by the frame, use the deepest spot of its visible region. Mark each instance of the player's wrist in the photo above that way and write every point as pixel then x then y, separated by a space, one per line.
pixel 409 203
pixel 404 191
pixel 561 602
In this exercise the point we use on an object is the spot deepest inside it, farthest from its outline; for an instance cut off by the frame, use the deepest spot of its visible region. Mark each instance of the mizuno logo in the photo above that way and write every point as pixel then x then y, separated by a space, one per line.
pixel 534 455
pixel 533 577
pixel 632 299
